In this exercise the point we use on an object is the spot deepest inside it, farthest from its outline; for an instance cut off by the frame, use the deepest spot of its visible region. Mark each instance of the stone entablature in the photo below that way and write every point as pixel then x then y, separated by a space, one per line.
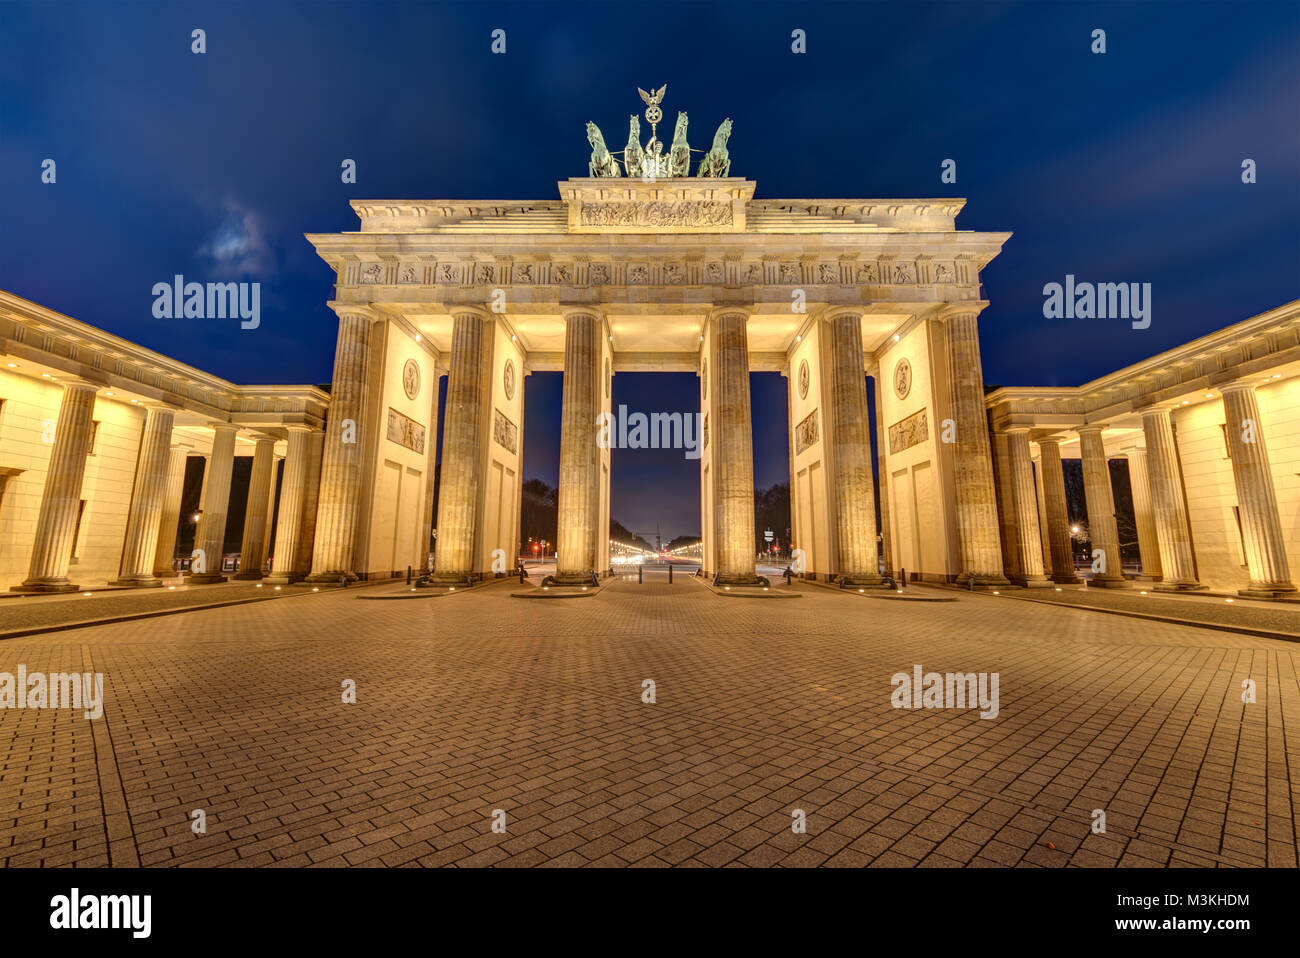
pixel 1264 346
pixel 757 216
pixel 39 336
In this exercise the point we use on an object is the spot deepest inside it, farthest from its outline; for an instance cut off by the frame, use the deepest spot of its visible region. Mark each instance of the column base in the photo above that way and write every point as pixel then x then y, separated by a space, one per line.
pixel 139 582
pixel 979 582
pixel 39 587
pixel 865 581
pixel 282 579
pixel 206 578
pixel 248 575
pixel 1109 582
pixel 1066 579
pixel 1032 581
pixel 1272 590
pixel 329 578
pixel 572 578
pixel 1163 586
pixel 739 578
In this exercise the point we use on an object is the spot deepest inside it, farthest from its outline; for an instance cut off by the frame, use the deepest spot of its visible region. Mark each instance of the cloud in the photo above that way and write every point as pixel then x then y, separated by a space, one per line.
pixel 238 244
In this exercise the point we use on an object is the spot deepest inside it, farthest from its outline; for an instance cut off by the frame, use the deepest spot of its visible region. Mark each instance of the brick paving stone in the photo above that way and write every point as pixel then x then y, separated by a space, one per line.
pixel 475 703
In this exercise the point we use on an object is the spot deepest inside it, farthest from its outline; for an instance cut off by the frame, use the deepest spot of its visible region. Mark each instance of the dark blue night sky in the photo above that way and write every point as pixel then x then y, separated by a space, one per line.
pixel 1116 167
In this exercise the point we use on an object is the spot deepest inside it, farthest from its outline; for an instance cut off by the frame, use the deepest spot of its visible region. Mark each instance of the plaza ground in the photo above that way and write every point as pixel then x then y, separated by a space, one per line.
pixel 475 702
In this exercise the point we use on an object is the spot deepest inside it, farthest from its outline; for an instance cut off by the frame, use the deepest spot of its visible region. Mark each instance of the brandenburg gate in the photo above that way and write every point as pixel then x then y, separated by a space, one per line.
pixel 642 266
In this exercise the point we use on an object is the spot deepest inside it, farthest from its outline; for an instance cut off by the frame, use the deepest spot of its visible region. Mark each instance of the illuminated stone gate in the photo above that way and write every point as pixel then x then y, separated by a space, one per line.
pixel 677 274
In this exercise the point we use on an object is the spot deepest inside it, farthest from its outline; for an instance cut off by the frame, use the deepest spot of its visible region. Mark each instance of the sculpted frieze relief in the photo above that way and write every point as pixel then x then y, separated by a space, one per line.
pixel 886 271
pixel 656 213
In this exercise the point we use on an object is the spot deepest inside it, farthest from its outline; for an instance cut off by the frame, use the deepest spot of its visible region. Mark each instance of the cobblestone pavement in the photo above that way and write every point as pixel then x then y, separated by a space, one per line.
pixel 1280 617
pixel 478 702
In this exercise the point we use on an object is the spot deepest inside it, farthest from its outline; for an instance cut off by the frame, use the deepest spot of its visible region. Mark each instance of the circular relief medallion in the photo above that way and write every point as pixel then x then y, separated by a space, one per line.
pixel 608 377
pixel 411 378
pixel 508 379
pixel 803 379
pixel 704 380
pixel 902 379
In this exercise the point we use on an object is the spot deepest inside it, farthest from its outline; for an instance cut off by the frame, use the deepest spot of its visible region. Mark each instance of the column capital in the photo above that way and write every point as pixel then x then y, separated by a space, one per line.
pixel 300 427
pixel 1155 410
pixel 1238 385
pixel 573 311
pixel 158 405
pixel 351 310
pixel 223 426
pixel 723 311
pixel 1132 448
pixel 968 308
pixel 77 382
pixel 1092 428
pixel 837 312
pixel 474 312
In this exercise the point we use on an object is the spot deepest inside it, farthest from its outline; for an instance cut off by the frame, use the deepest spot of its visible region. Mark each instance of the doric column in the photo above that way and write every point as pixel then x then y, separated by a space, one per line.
pixel 1024 500
pixel 1261 526
pixel 462 444
pixel 345 448
pixel 148 499
pixel 579 493
pixel 1100 501
pixel 1165 483
pixel 882 451
pixel 293 487
pixel 1044 540
pixel 1058 516
pixel 170 518
pixel 972 457
pixel 210 537
pixel 56 525
pixel 1143 519
pixel 733 449
pixel 252 553
pixel 855 494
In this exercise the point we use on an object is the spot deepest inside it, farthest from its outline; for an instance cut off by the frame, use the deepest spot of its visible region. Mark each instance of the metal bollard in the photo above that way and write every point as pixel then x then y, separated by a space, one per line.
pixel 408 575
pixel 639 571
pixel 670 574
pixel 902 579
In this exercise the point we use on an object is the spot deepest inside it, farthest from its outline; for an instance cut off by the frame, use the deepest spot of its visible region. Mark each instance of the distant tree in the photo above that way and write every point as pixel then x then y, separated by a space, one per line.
pixel 772 511
pixel 539 517
pixel 620 534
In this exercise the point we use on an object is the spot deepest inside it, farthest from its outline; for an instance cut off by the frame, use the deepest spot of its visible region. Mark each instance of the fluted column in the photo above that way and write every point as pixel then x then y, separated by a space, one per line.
pixel 1058 516
pixel 345 449
pixel 1024 500
pixel 293 487
pixel 579 494
pixel 1169 511
pixel 252 552
pixel 1100 500
pixel 733 450
pixel 855 494
pixel 462 444
pixel 1143 519
pixel 170 517
pixel 1261 526
pixel 886 543
pixel 972 457
pixel 1044 540
pixel 148 496
pixel 56 525
pixel 210 537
